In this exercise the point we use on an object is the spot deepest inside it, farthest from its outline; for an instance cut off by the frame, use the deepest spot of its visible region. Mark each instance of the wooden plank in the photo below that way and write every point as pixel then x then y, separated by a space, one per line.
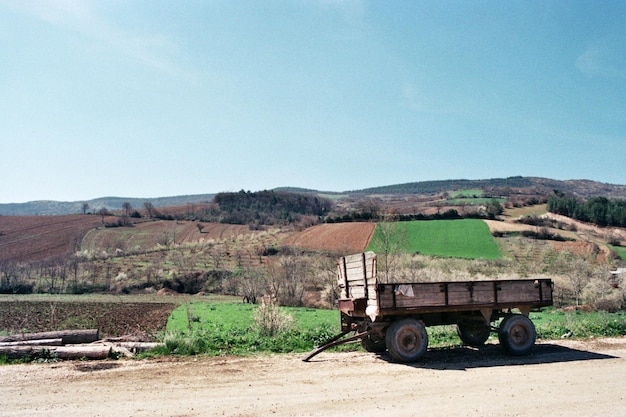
pixel 359 292
pixel 460 293
pixel 425 294
pixel 518 291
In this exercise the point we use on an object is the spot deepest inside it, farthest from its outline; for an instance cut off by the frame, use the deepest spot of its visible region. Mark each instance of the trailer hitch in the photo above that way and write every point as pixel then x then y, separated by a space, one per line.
pixel 335 341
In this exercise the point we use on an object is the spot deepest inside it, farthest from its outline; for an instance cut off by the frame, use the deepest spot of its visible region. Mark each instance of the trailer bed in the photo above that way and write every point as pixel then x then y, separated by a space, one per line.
pixel 362 296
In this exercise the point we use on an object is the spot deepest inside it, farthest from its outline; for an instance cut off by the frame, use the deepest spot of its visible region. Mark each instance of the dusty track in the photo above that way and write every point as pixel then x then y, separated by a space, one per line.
pixel 560 378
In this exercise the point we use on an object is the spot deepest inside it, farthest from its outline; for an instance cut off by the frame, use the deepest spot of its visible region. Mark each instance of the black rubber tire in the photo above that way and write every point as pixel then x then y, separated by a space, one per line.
pixel 373 344
pixel 407 340
pixel 517 334
pixel 473 334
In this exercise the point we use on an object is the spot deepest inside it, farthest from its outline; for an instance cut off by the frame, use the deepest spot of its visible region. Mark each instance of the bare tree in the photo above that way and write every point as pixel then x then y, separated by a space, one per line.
pixel 85 207
pixel 127 208
pixel 287 279
pixel 150 210
pixel 252 284
pixel 389 238
pixel 103 212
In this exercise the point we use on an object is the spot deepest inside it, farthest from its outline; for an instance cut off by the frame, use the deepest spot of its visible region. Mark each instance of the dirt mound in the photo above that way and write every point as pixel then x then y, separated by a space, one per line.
pixel 340 237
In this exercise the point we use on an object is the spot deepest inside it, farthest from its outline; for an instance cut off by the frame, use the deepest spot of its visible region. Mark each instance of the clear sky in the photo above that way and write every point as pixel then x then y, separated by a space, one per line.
pixel 158 98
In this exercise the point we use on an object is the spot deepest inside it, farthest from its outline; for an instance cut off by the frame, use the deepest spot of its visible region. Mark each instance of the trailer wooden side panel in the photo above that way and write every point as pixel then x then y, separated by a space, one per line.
pixel 464 294
pixel 356 276
pixel 361 295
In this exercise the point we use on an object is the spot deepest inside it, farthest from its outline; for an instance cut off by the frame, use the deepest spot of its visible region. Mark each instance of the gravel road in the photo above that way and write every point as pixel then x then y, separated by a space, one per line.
pixel 558 378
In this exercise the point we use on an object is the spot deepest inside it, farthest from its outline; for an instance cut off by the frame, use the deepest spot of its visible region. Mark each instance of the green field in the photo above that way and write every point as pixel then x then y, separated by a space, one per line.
pixel 473 201
pixel 466 193
pixel 229 328
pixel 466 238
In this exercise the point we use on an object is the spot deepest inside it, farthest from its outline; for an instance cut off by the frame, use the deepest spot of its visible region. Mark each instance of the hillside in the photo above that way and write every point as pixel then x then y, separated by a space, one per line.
pixel 505 187
pixel 52 208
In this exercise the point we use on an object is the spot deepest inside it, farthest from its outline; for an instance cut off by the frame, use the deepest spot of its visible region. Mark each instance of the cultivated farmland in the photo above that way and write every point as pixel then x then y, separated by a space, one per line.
pixel 340 237
pixel 35 238
pixel 468 238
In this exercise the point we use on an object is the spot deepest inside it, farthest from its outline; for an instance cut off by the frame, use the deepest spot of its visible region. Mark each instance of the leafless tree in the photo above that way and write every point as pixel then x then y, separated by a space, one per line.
pixel 85 207
pixel 103 212
pixel 150 210
pixel 252 284
pixel 389 238
pixel 287 279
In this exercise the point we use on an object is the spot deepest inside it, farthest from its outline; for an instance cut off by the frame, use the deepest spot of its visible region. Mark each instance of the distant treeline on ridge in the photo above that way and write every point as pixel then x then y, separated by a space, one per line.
pixel 598 210
pixel 269 207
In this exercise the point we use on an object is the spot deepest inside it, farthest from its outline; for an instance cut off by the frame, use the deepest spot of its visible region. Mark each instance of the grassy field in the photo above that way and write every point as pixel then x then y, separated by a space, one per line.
pixel 228 328
pixel 467 238
pixel 466 193
pixel 473 201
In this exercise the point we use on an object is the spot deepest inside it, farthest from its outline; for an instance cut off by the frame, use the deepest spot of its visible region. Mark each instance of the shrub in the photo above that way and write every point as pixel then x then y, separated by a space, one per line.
pixel 269 320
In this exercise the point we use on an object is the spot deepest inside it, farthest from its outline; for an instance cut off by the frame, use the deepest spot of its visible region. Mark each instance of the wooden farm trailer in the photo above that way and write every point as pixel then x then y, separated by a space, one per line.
pixel 394 317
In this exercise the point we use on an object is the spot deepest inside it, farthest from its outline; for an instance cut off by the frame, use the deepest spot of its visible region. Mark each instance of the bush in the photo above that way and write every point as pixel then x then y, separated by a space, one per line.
pixel 269 320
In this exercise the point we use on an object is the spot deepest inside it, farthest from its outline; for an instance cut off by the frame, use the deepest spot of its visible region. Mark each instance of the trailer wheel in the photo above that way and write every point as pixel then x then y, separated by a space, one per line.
pixel 374 343
pixel 517 334
pixel 473 334
pixel 407 340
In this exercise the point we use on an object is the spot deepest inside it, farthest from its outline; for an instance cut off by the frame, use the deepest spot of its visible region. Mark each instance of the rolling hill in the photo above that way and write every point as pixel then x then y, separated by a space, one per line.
pixel 55 208
pixel 496 186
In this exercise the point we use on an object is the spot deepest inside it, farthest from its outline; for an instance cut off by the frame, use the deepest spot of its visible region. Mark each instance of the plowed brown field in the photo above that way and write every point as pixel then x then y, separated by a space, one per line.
pixel 340 237
pixel 112 318
pixel 35 238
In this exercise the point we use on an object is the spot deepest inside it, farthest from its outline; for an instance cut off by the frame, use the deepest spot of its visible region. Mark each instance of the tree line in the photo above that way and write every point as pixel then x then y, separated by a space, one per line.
pixel 269 207
pixel 597 210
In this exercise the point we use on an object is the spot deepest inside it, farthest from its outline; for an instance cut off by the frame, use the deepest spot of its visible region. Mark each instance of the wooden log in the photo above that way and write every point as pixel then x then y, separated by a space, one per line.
pixel 68 336
pixel 61 352
pixel 37 342
pixel 137 347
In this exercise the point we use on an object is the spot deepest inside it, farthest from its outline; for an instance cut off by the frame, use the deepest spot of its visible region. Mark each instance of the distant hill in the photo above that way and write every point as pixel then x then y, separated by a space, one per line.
pixel 45 207
pixel 530 185
pixel 495 186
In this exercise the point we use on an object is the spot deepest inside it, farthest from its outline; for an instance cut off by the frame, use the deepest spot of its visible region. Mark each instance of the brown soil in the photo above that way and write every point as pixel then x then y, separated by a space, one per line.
pixel 111 318
pixel 35 238
pixel 340 237
pixel 559 378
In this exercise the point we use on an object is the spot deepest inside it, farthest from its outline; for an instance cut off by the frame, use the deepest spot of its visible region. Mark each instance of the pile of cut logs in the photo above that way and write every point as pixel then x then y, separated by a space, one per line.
pixel 69 344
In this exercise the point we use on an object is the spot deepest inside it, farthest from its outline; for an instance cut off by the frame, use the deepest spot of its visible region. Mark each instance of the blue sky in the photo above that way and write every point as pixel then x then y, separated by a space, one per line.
pixel 158 98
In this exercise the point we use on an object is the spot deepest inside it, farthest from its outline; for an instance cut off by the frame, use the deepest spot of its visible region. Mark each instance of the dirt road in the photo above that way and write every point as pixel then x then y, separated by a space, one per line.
pixel 561 378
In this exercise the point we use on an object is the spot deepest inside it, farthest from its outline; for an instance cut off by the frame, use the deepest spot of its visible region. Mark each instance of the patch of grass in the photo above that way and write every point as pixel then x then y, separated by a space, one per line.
pixel 553 324
pixel 620 250
pixel 536 210
pixel 466 238
pixel 229 328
